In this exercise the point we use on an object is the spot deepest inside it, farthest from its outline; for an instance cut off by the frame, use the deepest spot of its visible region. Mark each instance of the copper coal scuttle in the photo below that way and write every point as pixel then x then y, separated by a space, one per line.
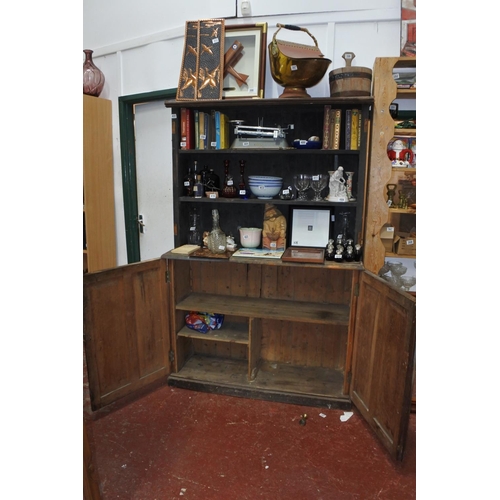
pixel 296 66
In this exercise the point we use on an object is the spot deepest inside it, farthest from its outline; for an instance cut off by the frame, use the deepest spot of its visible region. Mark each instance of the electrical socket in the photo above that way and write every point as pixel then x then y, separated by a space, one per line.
pixel 245 7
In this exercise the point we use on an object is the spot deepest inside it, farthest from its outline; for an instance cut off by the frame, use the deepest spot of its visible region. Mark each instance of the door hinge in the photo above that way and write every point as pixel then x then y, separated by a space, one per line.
pixel 167 276
pixel 171 356
pixel 356 289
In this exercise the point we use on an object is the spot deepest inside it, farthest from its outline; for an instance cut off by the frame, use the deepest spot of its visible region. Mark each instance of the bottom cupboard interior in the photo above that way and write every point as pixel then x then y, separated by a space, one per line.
pixel 285 334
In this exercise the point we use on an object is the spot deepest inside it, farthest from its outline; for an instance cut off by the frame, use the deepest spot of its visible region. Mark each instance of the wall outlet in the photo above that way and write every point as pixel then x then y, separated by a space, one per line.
pixel 246 10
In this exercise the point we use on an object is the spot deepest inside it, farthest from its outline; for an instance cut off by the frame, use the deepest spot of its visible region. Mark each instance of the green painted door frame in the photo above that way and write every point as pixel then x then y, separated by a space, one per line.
pixel 126 109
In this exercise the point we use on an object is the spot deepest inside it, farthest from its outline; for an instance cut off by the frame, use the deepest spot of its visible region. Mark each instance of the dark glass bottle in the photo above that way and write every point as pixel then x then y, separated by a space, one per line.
pixel 229 190
pixel 357 252
pixel 188 183
pixel 242 187
pixel 213 181
pixel 204 175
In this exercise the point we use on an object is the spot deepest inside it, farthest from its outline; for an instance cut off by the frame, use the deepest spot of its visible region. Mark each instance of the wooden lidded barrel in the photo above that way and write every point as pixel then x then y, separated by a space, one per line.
pixel 351 80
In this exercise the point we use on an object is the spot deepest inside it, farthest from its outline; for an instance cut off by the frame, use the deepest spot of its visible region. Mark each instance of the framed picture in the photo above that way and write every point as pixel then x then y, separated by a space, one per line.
pixel 244 61
pixel 310 227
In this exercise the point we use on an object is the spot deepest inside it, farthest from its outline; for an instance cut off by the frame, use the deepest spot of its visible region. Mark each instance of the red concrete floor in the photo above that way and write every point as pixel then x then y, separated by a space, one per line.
pixel 174 443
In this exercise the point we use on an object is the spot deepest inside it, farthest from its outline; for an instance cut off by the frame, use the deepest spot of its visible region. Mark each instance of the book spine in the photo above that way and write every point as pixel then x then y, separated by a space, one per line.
pixel 360 122
pixel 187 129
pixel 207 130
pixel 347 139
pixel 326 126
pixel 217 130
pixel 337 121
pixel 224 131
pixel 196 129
pixel 212 142
pixel 354 129
pixel 201 130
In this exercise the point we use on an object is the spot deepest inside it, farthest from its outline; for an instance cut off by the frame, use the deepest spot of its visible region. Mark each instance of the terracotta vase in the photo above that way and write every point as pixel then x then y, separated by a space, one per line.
pixel 93 77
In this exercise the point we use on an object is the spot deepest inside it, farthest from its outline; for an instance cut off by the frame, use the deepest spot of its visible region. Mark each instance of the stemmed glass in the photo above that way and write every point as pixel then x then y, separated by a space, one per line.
pixel 407 282
pixel 302 183
pixel 318 183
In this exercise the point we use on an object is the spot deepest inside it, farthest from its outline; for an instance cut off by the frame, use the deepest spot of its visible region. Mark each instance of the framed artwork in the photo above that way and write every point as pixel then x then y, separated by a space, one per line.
pixel 310 228
pixel 244 61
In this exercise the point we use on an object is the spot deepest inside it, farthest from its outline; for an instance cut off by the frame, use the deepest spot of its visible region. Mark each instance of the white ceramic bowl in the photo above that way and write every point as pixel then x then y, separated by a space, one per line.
pixel 264 191
pixel 265 178
pixel 250 236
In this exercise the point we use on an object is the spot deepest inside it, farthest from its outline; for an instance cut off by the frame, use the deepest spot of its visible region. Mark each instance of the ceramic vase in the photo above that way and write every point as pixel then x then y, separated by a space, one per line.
pixel 93 77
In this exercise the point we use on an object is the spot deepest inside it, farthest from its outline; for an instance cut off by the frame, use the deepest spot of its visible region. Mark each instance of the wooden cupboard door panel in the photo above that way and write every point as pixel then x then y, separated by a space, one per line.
pixel 126 330
pixel 383 356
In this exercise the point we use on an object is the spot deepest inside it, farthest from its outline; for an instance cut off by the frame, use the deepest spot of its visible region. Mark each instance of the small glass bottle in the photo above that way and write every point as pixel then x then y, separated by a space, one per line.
pixel 188 183
pixel 242 187
pixel 194 236
pixel 357 252
pixel 195 173
pixel 216 238
pixel 229 190
pixel 213 181
pixel 198 187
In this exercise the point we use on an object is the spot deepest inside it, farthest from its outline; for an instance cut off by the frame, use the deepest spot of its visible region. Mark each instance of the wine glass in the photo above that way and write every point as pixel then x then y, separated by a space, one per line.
pixel 407 282
pixel 301 183
pixel 318 183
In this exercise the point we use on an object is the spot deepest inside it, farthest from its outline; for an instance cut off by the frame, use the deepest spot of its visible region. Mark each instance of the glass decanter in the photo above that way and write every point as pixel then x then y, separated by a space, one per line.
pixel 216 239
pixel 229 190
pixel 242 187
pixel 194 236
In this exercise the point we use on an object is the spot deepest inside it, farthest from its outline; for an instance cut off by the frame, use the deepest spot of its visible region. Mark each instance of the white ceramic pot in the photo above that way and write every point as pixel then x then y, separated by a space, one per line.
pixel 250 236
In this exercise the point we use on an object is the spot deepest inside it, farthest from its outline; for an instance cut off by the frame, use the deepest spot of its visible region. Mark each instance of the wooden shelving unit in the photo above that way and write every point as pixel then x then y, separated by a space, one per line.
pixel 381 172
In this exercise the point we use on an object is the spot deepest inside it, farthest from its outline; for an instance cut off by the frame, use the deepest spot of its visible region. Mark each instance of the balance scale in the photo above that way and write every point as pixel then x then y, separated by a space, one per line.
pixel 259 137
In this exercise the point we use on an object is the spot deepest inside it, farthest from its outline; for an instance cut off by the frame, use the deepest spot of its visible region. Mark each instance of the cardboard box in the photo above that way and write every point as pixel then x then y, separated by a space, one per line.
pixel 405 244
pixel 387 237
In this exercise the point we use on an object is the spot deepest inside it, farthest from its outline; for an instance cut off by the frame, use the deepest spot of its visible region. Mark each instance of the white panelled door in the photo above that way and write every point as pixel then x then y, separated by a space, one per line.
pixel 153 144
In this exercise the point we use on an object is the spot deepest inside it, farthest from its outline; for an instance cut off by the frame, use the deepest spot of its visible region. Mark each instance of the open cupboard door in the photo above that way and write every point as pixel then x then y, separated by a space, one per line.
pixel 125 325
pixel 383 357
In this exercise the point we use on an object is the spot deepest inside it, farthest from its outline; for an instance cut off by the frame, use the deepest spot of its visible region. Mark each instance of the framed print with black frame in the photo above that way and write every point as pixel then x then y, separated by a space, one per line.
pixel 310 231
pixel 244 61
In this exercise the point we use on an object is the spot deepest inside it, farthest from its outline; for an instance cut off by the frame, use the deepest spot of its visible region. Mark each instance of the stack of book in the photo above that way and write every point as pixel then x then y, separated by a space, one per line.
pixel 341 129
pixel 204 129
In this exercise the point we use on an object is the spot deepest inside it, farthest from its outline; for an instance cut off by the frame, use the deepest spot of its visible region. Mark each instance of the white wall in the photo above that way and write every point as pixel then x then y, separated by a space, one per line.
pixel 138 45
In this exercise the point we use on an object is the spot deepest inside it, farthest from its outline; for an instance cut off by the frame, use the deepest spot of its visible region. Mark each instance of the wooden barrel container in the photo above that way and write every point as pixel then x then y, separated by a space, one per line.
pixel 351 80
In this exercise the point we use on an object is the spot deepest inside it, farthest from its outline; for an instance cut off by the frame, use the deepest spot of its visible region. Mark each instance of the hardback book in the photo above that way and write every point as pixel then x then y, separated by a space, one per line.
pixel 326 127
pixel 212 144
pixel 336 122
pixel 348 123
pixel 217 130
pixel 224 131
pixel 187 129
pixel 359 129
pixel 201 131
pixel 196 129
pixel 354 129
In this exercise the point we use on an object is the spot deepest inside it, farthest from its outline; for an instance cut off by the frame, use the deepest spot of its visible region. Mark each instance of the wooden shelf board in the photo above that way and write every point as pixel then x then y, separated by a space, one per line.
pixel 250 307
pixel 272 378
pixel 229 332
pixel 402 211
